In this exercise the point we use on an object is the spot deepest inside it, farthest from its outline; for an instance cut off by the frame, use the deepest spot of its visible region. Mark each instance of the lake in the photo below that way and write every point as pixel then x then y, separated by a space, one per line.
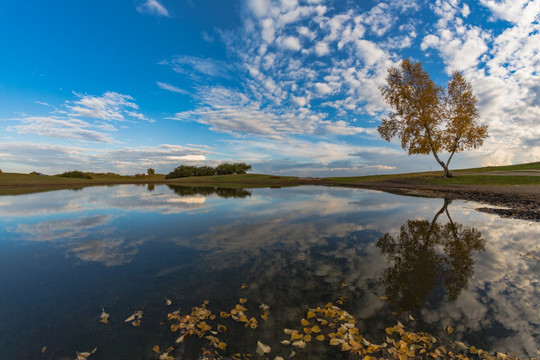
pixel 67 256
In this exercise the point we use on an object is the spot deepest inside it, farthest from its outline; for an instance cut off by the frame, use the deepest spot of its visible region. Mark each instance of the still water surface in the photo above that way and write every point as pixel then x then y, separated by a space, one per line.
pixel 66 254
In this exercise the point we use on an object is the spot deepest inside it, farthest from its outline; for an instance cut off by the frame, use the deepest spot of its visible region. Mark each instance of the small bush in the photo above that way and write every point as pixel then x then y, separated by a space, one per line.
pixel 76 174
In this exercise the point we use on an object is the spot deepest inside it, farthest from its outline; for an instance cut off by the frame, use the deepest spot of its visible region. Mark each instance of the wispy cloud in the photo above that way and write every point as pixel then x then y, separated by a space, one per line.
pixel 61 128
pixel 196 67
pixel 51 159
pixel 171 88
pixel 152 7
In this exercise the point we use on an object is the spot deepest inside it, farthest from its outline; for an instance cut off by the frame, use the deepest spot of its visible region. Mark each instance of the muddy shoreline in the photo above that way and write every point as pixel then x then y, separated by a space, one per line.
pixel 517 202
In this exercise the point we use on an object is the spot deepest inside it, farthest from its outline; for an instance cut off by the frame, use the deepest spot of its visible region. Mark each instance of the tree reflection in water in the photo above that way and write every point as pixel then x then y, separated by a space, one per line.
pixel 427 255
pixel 209 190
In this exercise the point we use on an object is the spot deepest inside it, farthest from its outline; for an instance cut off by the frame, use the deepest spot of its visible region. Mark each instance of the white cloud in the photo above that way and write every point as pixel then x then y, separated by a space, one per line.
pixel 291 43
pixel 323 88
pixel 152 7
pixel 321 48
pixel 171 88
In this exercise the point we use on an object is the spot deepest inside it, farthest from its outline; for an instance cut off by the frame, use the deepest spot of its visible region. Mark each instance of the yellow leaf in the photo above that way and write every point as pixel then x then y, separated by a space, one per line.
pixel 168 302
pixel 299 344
pixel 244 286
pixel 306 338
pixel 296 335
pixel 320 337
pixel 344 285
pixel 449 329
pixel 243 319
pixel 334 342
pixel 136 323
pixel 384 297
pixel 242 300
pixel 304 322
pixel 265 316
pixel 221 328
pixel 104 320
pixel 473 350
pixel 285 342
pixel 310 314
pixel 345 346
pixel 222 345
pixel 410 317
pixel 43 349
pixel 156 349
pixel 316 329
pixel 174 327
pixel 224 315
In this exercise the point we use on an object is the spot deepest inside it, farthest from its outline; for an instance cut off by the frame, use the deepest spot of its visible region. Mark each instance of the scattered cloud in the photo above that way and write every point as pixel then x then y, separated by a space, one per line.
pixel 152 7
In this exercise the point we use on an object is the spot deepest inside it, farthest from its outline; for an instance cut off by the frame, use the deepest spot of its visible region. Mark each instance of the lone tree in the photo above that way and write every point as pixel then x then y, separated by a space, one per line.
pixel 428 118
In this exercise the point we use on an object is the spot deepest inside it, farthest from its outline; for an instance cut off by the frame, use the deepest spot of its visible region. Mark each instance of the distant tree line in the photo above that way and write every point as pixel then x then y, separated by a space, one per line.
pixel 222 169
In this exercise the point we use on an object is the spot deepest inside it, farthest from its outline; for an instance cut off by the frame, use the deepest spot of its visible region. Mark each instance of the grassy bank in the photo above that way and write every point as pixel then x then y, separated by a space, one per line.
pixel 522 174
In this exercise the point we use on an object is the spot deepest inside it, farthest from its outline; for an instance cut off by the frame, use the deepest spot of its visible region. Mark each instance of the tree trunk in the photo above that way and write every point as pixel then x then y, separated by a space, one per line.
pixel 447 172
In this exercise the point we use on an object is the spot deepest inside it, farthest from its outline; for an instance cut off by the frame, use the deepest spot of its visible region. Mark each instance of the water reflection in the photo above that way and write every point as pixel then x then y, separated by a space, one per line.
pixel 65 255
pixel 427 255
pixel 206 191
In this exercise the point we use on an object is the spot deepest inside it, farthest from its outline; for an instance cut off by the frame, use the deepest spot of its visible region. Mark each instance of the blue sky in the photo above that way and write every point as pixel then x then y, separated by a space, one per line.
pixel 289 86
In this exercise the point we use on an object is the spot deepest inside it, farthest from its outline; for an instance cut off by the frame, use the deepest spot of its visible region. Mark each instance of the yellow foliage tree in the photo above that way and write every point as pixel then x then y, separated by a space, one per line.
pixel 427 118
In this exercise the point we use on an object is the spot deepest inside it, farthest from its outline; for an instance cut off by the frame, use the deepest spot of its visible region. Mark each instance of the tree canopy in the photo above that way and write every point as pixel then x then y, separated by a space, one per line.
pixel 430 119
pixel 221 169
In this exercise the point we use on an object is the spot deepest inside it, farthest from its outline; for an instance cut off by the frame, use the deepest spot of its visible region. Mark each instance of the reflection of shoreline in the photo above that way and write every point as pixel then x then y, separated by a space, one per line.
pixel 183 190
pixel 427 255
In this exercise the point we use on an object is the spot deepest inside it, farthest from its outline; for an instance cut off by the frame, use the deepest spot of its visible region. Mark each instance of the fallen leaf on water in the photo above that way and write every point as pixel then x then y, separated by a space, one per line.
pixel 410 317
pixel 104 317
pixel 136 315
pixel 222 345
pixel 262 349
pixel 320 337
pixel 304 322
pixel 168 302
pixel 384 297
pixel 43 349
pixel 242 300
pixel 299 344
pixel 292 353
pixel 449 329
pixel 244 286
pixel 265 316
pixel 278 358
pixel 285 342
pixel 264 307
pixel 156 349
pixel 344 284
pixel 136 323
